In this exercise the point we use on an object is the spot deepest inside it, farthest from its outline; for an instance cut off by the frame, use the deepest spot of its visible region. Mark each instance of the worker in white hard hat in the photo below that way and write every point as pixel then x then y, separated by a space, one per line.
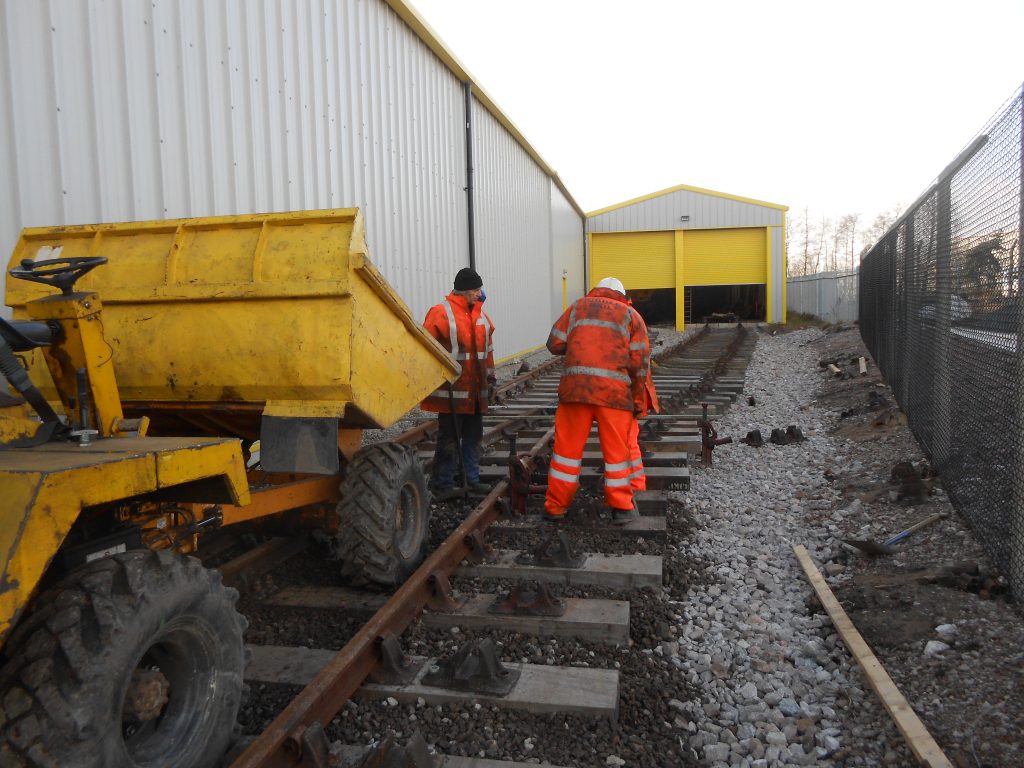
pixel 607 357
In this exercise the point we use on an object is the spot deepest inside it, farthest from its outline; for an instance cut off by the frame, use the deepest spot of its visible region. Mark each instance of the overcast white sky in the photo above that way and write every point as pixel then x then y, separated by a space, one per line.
pixel 847 107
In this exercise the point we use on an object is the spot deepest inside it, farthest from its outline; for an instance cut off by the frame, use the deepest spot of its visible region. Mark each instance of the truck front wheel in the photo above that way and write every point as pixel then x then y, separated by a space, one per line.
pixel 383 515
pixel 134 660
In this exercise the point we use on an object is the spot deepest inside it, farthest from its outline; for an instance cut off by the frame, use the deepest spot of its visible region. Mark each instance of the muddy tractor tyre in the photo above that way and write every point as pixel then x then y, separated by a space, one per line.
pixel 133 661
pixel 383 516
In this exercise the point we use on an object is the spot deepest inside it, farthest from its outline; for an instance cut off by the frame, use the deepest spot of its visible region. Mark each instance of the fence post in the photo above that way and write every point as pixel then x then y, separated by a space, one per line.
pixel 905 342
pixel 1016 532
pixel 941 402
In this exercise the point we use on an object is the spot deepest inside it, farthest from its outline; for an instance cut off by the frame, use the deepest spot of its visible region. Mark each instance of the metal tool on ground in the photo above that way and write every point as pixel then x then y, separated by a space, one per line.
pixel 887 547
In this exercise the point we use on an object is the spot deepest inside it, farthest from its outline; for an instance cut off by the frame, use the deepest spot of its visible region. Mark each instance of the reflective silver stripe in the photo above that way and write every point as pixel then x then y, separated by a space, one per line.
pixel 637 473
pixel 636 463
pixel 490 331
pixel 584 370
pixel 558 334
pixel 637 345
pixel 567 462
pixel 624 330
pixel 453 332
pixel 564 476
pixel 617 467
pixel 616 482
pixel 443 393
pixel 461 356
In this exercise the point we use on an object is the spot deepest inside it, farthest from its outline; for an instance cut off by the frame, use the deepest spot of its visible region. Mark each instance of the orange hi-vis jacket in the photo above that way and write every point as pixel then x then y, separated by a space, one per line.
pixel 472 348
pixel 607 352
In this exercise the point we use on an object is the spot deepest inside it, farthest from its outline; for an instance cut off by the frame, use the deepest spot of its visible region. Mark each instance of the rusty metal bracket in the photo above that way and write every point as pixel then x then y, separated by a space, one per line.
pixel 478 549
pixel 795 434
pixel 442 599
pixel 520 487
pixel 476 668
pixel 555 552
pixel 753 438
pixel 387 754
pixel 307 746
pixel 395 668
pixel 709 436
pixel 521 601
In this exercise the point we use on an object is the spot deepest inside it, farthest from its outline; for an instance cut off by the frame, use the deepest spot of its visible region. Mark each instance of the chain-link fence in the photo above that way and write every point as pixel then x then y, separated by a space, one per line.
pixel 829 296
pixel 942 312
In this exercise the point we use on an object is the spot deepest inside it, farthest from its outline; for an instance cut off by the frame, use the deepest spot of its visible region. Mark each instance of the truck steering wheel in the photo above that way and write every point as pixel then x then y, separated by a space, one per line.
pixel 57 273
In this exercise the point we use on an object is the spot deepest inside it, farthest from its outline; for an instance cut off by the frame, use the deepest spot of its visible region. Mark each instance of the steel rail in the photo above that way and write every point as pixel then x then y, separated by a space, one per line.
pixel 280 745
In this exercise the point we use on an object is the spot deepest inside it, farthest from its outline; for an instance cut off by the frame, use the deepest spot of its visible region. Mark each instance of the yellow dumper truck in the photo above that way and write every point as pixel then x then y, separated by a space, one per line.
pixel 144 362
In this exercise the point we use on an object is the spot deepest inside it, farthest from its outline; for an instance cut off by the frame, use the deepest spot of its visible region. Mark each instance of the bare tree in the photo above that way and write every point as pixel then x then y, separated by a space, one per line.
pixel 881 224
pixel 821 255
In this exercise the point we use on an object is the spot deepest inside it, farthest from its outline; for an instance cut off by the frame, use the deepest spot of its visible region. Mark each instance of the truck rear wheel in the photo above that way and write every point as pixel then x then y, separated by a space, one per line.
pixel 383 515
pixel 133 661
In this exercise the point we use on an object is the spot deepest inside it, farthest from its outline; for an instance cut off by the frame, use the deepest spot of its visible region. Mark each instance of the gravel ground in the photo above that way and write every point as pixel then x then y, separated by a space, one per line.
pixel 733 662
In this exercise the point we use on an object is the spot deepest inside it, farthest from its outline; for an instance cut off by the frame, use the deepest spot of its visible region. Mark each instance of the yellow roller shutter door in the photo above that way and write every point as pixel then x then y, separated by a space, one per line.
pixel 724 257
pixel 638 259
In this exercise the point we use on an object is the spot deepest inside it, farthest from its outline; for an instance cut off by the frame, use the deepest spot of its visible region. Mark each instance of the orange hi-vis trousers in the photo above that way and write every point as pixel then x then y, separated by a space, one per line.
pixel 637 478
pixel 572 428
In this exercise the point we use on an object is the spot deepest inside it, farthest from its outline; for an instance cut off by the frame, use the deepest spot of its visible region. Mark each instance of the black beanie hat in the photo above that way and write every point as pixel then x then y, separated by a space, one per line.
pixel 467 280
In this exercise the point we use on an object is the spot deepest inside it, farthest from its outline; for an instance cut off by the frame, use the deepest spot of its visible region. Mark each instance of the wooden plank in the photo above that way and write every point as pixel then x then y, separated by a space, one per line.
pixel 582 690
pixel 605 621
pixel 658 478
pixel 602 621
pixel 643 526
pixel 352 754
pixel 619 572
pixel 244 569
pixel 331 598
pixel 914 731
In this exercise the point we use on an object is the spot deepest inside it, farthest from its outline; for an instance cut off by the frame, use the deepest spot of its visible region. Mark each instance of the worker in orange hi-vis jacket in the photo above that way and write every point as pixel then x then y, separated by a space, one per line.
pixel 637 477
pixel 607 358
pixel 465 330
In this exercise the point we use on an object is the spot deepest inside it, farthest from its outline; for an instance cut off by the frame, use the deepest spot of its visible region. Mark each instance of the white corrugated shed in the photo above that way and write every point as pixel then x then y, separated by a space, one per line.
pixel 119 110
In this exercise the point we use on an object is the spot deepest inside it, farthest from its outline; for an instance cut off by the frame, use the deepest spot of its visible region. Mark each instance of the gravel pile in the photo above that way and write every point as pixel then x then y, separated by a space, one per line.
pixel 775 682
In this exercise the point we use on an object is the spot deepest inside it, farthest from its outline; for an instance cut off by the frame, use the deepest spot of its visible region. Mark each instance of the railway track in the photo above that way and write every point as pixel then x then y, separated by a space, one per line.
pixel 504 616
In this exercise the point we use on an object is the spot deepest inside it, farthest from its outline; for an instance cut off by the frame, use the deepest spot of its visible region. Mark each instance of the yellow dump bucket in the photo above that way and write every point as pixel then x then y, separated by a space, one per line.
pixel 243 316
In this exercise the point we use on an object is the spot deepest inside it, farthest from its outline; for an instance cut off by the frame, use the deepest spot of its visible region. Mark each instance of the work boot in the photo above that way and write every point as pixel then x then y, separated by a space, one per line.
pixel 480 488
pixel 623 516
pixel 553 519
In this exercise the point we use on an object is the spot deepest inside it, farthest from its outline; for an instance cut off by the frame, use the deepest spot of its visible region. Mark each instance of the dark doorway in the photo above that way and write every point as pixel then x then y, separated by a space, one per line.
pixel 657 306
pixel 725 303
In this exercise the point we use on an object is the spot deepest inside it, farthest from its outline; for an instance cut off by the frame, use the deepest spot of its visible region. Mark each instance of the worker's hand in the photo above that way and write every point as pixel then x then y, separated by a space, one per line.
pixel 492 391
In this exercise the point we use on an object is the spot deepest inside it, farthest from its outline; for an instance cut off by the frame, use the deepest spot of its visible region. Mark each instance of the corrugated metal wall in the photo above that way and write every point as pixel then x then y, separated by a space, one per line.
pixel 511 191
pixel 567 247
pixel 122 110
pixel 665 212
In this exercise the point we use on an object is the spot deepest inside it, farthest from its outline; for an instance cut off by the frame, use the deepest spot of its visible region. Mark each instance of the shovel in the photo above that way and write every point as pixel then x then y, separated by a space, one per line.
pixel 886 548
